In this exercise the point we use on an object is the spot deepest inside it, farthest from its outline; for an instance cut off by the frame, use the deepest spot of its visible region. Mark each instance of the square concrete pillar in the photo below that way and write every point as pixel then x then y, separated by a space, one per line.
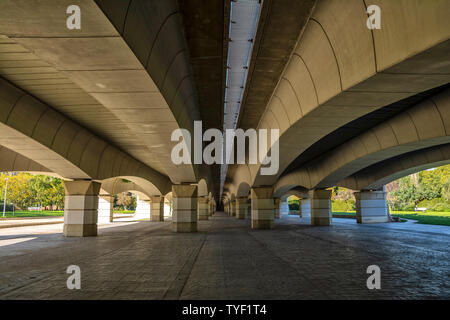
pixel 304 208
pixel 143 209
pixel 203 208
pixel 233 208
pixel 371 206
pixel 320 207
pixel 276 207
pixel 81 208
pixel 105 208
pixel 284 207
pixel 241 207
pixel 211 207
pixel 157 208
pixel 262 208
pixel 184 208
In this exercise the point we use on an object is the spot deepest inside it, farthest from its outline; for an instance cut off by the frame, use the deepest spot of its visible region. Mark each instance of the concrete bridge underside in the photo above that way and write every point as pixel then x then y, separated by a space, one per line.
pixel 97 106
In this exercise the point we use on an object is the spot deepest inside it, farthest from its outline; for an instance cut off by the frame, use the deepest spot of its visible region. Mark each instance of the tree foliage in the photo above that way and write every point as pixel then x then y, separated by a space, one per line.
pixel 406 193
pixel 27 190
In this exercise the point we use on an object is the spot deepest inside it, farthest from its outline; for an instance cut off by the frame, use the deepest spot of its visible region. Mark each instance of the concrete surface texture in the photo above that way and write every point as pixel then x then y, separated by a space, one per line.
pixel 227 260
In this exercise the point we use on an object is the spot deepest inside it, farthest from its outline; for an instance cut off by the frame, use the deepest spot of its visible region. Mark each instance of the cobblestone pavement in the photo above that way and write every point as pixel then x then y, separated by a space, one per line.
pixel 227 260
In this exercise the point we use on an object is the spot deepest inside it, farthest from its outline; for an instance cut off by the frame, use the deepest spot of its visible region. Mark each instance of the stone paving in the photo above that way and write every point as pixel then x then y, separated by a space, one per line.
pixel 228 260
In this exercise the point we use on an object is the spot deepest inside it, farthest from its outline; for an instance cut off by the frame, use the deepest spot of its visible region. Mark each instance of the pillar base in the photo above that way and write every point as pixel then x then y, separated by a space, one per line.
pixel 80 230
pixel 262 224
pixel 156 218
pixel 184 226
pixel 320 221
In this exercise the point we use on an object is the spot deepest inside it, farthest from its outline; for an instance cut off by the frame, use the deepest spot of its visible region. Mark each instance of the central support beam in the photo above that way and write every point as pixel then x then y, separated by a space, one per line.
pixel 320 207
pixel 203 208
pixel 80 208
pixel 105 209
pixel 157 208
pixel 241 207
pixel 232 208
pixel 371 206
pixel 184 208
pixel 276 205
pixel 262 208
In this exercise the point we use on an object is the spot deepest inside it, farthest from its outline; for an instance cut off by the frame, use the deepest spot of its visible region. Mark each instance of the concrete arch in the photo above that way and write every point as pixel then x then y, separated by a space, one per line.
pixel 13 162
pixel 329 81
pixel 36 131
pixel 425 125
pixel 242 181
pixel 168 197
pixel 134 79
pixel 384 172
pixel 297 191
pixel 132 184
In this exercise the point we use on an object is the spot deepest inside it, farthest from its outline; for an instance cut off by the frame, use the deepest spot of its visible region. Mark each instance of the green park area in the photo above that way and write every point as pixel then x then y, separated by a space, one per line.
pixel 30 195
pixel 423 196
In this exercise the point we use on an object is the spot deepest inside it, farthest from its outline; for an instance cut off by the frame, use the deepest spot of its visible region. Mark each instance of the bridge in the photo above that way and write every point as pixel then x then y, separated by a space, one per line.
pixel 96 106
pixel 91 91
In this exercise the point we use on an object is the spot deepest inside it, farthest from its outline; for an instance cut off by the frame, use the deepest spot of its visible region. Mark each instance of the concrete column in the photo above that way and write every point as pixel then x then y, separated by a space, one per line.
pixel 143 208
pixel 184 208
pixel 105 208
pixel 371 206
pixel 276 207
pixel 284 208
pixel 304 208
pixel 248 213
pixel 320 207
pixel 241 207
pixel 203 208
pixel 211 207
pixel 157 208
pixel 233 208
pixel 262 208
pixel 80 208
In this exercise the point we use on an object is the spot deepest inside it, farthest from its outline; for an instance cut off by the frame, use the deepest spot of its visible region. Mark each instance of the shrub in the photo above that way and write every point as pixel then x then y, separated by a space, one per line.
pixel 293 206
pixel 343 205
pixel 440 207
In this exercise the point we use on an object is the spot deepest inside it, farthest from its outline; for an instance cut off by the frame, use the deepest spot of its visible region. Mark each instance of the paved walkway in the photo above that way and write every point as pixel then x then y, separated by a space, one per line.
pixel 24 222
pixel 227 260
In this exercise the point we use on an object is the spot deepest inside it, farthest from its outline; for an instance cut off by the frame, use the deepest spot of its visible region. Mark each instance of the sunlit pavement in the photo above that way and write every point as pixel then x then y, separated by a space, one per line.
pixel 227 260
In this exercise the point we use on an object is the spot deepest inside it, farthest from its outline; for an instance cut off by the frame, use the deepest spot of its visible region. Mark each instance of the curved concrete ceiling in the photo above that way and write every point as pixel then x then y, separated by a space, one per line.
pixel 384 172
pixel 118 75
pixel 329 81
pixel 425 125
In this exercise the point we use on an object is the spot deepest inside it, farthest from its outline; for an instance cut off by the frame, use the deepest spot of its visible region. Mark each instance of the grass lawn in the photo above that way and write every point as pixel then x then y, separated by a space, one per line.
pixel 26 214
pixel 124 211
pixel 436 218
pixel 346 213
